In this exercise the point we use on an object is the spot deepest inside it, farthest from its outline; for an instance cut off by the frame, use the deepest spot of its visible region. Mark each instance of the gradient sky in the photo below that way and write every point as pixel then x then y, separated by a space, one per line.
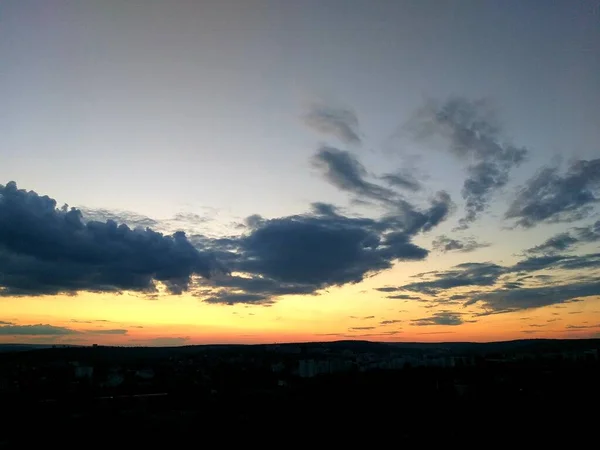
pixel 382 170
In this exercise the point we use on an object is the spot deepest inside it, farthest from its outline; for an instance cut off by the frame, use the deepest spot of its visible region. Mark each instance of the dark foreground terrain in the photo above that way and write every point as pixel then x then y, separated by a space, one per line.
pixel 530 392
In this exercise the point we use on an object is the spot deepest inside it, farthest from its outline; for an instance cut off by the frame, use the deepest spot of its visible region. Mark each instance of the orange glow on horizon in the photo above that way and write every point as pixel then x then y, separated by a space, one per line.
pixel 129 320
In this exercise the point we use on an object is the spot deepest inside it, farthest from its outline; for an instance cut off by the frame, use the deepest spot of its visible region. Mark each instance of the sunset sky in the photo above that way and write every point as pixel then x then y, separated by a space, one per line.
pixel 259 171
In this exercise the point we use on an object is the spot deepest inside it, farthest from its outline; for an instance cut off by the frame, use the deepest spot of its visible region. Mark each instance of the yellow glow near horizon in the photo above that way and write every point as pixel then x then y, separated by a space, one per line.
pixel 349 312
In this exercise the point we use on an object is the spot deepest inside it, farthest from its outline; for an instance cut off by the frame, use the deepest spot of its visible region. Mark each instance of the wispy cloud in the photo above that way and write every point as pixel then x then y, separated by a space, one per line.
pixel 35 330
pixel 472 133
pixel 501 294
pixel 116 331
pixel 390 322
pixel 440 318
pixel 339 122
pixel 568 239
pixel 552 197
pixel 445 244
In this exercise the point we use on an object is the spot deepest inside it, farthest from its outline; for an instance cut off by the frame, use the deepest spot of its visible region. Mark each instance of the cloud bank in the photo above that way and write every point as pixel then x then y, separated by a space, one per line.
pixel 46 250
pixel 496 288
pixel 552 197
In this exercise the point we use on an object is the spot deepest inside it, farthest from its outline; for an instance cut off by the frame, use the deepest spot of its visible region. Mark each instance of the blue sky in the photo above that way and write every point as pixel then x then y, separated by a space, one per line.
pixel 222 108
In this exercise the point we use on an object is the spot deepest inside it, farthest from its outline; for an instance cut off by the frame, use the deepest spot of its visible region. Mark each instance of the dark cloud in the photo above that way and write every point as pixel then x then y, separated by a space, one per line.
pixel 232 298
pixel 258 288
pixel 587 234
pixel 582 327
pixel 405 297
pixel 389 322
pixel 467 274
pixel 567 240
pixel 303 254
pixel 3 322
pixel 557 262
pixel 347 173
pixel 51 330
pixel 445 244
pixel 362 317
pixel 387 289
pixel 299 254
pixel 50 250
pixel 551 197
pixel 403 179
pixel 558 243
pixel 473 135
pixel 36 330
pixel 344 171
pixel 412 221
pixel 339 122
pixel 360 328
pixel 535 297
pixel 508 295
pixel 440 318
pixel 253 221
pixel 324 209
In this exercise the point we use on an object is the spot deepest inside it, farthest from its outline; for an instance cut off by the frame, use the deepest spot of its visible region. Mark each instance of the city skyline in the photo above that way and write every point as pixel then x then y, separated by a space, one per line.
pixel 261 171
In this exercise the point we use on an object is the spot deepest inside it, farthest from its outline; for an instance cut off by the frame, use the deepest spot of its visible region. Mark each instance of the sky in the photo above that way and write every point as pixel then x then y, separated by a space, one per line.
pixel 260 171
